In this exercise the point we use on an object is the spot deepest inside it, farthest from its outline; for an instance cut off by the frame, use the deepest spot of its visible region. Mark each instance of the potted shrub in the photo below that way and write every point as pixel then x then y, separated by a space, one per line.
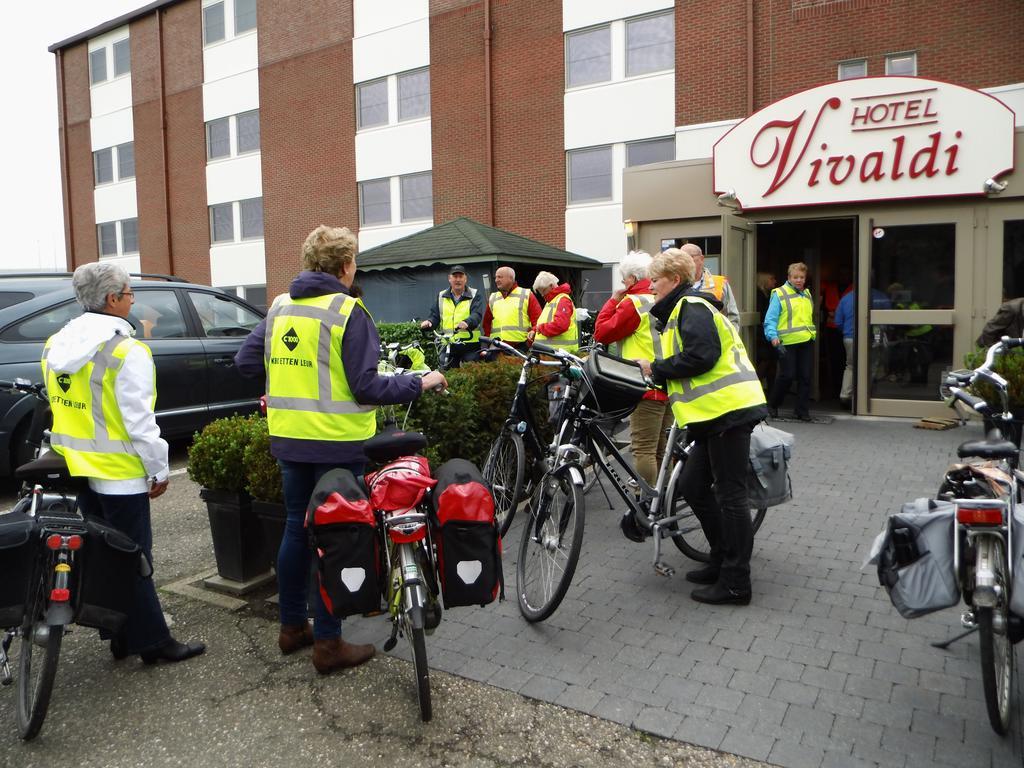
pixel 263 482
pixel 216 462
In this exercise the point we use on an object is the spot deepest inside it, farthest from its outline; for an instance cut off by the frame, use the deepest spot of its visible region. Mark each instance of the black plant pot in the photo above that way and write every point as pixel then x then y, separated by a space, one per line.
pixel 272 518
pixel 237 535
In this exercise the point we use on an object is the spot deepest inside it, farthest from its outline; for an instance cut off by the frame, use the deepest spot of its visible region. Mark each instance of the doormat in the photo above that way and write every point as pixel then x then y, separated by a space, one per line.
pixel 937 423
pixel 814 419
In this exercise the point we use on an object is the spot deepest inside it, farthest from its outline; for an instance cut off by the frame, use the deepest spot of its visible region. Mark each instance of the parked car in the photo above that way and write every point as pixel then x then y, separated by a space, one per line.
pixel 193 330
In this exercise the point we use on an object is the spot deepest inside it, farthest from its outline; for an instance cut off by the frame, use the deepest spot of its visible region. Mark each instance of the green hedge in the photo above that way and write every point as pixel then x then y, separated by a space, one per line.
pixel 1011 367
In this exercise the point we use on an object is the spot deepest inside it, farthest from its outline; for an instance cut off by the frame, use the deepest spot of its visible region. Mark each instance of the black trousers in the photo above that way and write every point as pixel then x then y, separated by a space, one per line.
pixel 714 484
pixel 795 363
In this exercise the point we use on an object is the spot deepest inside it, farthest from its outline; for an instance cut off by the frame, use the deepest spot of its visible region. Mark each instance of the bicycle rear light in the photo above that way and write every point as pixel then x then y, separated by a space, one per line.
pixel 979 515
pixel 74 542
pixel 54 541
pixel 60 595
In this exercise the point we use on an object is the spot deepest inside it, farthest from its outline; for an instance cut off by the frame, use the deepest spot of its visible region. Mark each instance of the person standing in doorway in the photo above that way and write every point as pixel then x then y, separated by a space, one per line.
pixel 717 285
pixel 511 311
pixel 789 327
pixel 846 320
pixel 458 309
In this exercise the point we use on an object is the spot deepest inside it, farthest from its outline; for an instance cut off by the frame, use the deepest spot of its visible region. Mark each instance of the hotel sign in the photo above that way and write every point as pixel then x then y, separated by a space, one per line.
pixel 873 138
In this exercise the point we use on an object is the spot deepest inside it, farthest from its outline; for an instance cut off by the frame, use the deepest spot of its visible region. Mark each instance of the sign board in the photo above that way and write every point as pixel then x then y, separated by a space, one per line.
pixel 872 138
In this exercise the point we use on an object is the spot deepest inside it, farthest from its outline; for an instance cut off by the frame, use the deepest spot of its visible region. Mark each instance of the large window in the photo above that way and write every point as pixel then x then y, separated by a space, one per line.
pixel 590 174
pixel 222 223
pixel 854 68
pixel 126 160
pixel 97 66
pixel 236 221
pixel 122 57
pixel 414 94
pixel 650 44
pixel 375 202
pixel 901 64
pixel 411 91
pixel 110 61
pixel 250 212
pixel 372 103
pixel 114 163
pixel 588 56
pixel 233 135
pixel 213 23
pixel 417 196
pixel 103 166
pixel 118 238
pixel 650 151
pixel 245 15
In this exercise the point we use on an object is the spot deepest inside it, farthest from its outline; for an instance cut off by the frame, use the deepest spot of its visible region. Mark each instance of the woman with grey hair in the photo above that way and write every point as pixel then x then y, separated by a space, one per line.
pixel 556 325
pixel 94 282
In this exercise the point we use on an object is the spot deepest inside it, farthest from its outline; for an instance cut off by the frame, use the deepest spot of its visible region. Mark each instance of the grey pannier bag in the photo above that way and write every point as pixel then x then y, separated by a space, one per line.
pixel 915 558
pixel 768 482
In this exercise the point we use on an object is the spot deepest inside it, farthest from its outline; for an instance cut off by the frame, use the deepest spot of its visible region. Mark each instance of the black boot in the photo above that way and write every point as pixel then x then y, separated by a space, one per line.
pixel 706 575
pixel 719 594
pixel 173 651
pixel 631 529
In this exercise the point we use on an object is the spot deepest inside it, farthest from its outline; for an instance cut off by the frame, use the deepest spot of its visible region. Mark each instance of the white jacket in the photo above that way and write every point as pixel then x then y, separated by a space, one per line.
pixel 74 346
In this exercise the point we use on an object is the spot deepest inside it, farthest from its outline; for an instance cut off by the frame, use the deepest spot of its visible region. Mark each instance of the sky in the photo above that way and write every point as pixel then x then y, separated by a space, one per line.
pixel 31 210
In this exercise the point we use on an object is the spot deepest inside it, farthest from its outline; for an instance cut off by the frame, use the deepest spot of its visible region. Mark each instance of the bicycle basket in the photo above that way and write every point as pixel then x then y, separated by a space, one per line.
pixel 613 384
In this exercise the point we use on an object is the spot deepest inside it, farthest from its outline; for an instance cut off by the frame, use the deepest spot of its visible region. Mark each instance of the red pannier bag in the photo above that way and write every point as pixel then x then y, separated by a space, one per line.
pixel 400 485
pixel 343 531
pixel 468 544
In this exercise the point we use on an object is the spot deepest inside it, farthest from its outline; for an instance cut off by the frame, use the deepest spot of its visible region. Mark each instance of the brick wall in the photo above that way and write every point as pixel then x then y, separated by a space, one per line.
pixel 307 128
pixel 79 209
pixel 798 45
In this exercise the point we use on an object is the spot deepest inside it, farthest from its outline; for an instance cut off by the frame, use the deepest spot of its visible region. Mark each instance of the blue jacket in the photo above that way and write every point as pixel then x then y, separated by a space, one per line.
pixel 360 351
pixel 847 309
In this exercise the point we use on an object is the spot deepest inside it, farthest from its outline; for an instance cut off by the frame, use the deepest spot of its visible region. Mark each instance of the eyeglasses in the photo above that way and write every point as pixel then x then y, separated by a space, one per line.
pixel 129 292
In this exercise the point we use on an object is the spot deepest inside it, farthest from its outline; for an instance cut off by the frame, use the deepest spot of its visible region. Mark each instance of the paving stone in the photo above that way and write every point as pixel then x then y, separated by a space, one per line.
pixel 815 657
pixel 742 742
pixel 942 683
pixel 942 726
pixel 580 698
pixel 720 697
pixel 868 688
pixel 752 682
pixel 617 709
pixel 895 673
pixel 701 732
pixel 543 688
pixel 823 678
pixel 794 755
pixel 902 740
pixel 658 721
pixel 913 697
pixel 841 759
pixel 851 663
pixel 850 730
pixel 794 693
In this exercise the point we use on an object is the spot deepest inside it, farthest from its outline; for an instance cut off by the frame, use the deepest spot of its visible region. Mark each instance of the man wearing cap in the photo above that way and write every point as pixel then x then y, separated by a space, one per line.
pixel 457 309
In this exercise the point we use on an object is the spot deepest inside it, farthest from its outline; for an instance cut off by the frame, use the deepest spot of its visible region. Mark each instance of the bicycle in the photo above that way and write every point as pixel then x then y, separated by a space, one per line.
pixel 443 342
pixel 47 512
pixel 983 542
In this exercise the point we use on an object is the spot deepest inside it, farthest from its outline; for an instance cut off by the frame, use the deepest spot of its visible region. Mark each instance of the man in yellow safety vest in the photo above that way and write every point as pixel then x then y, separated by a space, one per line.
pixel 458 311
pixel 511 311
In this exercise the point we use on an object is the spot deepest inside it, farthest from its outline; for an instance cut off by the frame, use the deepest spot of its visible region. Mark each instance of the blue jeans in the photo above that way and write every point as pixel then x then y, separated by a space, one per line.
pixel 294 559
pixel 145 628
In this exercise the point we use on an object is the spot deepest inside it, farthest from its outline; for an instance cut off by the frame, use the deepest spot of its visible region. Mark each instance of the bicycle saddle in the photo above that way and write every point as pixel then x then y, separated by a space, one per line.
pixel 987 449
pixel 388 446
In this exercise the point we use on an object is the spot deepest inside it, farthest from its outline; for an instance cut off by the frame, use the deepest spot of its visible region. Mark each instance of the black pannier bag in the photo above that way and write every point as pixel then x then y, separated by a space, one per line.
pixel 343 531
pixel 107 569
pixel 613 384
pixel 468 544
pixel 19 544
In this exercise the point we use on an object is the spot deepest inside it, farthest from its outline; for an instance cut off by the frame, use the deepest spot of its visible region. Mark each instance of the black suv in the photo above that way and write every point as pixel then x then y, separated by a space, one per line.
pixel 193 330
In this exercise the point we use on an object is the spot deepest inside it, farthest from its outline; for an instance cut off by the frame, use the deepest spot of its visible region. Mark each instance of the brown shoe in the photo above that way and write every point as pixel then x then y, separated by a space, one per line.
pixel 329 655
pixel 294 638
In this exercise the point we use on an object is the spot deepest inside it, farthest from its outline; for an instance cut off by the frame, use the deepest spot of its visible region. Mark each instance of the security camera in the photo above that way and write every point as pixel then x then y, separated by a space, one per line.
pixel 993 187
pixel 728 199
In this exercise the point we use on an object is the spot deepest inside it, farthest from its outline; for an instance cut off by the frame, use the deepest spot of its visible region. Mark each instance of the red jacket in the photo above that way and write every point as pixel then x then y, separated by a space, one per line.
pixel 563 313
pixel 618 319
pixel 532 310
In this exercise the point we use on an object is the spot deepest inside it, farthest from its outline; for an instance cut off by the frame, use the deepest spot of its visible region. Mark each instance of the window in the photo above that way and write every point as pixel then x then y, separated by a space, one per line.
pixel 130 236
pixel 156 314
pixel 372 103
pixel 126 160
pixel 107 235
pixel 652 151
pixel 901 64
pixel 42 326
pixel 213 23
pixel 222 223
pixel 103 166
pixel 590 174
pixel 218 138
pixel 414 94
pixel 97 66
pixel 122 57
pixel 248 126
pixel 375 202
pixel 250 213
pixel 650 44
pixel 220 315
pixel 417 196
pixel 245 16
pixel 851 69
pixel 588 56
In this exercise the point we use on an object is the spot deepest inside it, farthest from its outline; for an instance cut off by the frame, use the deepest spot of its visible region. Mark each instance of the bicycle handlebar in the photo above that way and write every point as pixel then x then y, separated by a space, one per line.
pixel 25 387
pixel 956 380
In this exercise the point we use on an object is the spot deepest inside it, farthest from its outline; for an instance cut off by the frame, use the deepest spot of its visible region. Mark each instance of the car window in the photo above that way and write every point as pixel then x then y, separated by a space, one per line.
pixel 42 326
pixel 220 315
pixel 10 298
pixel 157 315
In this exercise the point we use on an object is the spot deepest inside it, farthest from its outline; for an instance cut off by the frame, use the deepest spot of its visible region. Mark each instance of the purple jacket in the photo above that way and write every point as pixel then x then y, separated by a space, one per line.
pixel 360 352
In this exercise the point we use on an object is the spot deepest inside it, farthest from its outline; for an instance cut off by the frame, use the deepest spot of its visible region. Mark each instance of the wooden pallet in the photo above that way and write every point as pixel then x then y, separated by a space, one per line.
pixel 937 423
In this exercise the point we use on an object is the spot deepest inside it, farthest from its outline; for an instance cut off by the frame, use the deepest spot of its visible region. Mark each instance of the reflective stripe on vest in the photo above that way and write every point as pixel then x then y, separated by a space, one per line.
pixel 308 395
pixel 452 314
pixel 796 315
pixel 569 339
pixel 510 315
pixel 88 429
pixel 730 385
pixel 645 342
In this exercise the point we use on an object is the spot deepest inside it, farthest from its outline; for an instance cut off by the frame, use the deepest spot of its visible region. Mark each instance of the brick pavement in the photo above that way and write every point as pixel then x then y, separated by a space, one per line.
pixel 819 670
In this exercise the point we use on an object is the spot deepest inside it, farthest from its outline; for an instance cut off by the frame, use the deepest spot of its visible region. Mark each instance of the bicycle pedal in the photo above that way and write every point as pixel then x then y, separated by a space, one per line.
pixel 664 569
pixel 390 643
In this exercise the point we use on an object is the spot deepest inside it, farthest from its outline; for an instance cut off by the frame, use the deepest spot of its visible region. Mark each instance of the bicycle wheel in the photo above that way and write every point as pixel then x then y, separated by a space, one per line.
pixel 688 535
pixel 503 471
pixel 39 651
pixel 414 631
pixel 550 547
pixel 996 650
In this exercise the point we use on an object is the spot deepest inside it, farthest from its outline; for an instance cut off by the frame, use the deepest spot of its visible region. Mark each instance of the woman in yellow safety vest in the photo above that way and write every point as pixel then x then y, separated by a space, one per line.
pixel 789 327
pixel 714 392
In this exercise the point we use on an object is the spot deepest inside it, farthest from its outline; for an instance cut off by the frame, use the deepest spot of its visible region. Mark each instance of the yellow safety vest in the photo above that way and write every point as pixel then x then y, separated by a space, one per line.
pixel 713 284
pixel 452 314
pixel 569 339
pixel 308 395
pixel 510 315
pixel 796 315
pixel 645 342
pixel 732 383
pixel 88 430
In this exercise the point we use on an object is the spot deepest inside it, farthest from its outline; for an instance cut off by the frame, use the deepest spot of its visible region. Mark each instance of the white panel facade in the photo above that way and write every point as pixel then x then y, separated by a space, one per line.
pixel 111 129
pixel 238 178
pixel 231 95
pixel 695 142
pixel 600 115
pixel 131 263
pixel 584 13
pixel 596 231
pixel 230 57
pixel 397 49
pixel 393 150
pixel 1012 96
pixel 111 96
pixel 238 264
pixel 116 201
pixel 372 16
pixel 371 237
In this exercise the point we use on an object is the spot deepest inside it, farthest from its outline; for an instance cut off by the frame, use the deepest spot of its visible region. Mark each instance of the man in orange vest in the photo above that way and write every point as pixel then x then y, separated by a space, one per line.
pixel 717 285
